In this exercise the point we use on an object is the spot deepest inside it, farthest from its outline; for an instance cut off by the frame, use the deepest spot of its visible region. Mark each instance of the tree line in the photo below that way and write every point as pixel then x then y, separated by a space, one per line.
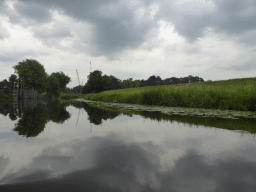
pixel 33 76
pixel 98 83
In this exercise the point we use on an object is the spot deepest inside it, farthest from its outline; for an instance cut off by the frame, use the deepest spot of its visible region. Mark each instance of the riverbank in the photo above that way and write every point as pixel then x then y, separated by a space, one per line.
pixel 234 94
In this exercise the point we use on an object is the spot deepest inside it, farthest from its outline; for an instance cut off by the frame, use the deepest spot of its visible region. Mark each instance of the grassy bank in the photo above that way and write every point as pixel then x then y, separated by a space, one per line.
pixel 234 94
pixel 5 99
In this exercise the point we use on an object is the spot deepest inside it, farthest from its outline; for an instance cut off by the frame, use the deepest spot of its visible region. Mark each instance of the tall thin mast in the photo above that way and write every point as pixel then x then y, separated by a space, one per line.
pixel 79 81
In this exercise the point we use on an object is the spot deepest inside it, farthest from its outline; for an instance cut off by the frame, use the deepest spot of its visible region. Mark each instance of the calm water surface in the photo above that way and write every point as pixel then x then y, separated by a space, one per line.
pixel 75 147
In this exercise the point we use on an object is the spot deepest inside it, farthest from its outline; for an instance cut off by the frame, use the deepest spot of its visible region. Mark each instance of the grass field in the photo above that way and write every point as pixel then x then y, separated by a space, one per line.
pixel 233 94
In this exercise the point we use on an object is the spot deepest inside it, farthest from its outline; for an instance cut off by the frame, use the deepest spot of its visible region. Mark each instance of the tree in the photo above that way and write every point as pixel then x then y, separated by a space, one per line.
pixel 136 83
pixel 62 79
pixel 53 86
pixel 12 79
pixel 4 83
pixel 153 80
pixel 143 83
pixel 31 73
pixel 172 80
pixel 126 83
pixel 95 81
pixel 113 82
pixel 184 80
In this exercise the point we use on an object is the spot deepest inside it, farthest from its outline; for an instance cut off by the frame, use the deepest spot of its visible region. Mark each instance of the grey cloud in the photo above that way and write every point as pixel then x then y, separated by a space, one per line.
pixel 3 32
pixel 3 5
pixel 116 26
pixel 18 56
pixel 57 31
pixel 192 27
pixel 26 175
pixel 32 11
pixel 4 162
pixel 243 66
pixel 248 38
pixel 235 17
pixel 232 18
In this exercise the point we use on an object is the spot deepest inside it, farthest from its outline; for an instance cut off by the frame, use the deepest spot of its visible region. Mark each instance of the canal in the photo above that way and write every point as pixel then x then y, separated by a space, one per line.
pixel 72 146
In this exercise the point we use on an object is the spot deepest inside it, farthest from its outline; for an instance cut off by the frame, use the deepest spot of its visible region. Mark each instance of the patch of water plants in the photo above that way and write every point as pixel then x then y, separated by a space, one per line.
pixel 225 119
pixel 199 112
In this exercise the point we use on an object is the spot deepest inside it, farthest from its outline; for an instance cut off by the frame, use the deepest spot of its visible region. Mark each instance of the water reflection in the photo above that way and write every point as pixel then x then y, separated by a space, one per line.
pixel 33 116
pixel 128 153
pixel 245 124
pixel 96 115
pixel 112 164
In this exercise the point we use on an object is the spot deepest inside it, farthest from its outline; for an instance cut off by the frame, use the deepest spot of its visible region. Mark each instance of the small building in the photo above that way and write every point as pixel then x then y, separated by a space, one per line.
pixel 19 92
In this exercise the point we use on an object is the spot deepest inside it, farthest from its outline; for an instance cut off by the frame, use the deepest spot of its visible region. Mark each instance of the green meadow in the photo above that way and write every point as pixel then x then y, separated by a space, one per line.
pixel 233 94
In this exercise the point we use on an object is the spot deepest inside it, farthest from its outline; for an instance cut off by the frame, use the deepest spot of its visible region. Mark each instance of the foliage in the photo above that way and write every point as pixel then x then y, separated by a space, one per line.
pixel 4 83
pixel 153 80
pixel 98 83
pixel 31 73
pixel 62 79
pixel 110 83
pixel 13 79
pixel 32 123
pixel 95 81
pixel 52 86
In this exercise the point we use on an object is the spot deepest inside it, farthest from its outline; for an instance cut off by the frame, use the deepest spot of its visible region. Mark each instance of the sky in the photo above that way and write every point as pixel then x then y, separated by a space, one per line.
pixel 212 39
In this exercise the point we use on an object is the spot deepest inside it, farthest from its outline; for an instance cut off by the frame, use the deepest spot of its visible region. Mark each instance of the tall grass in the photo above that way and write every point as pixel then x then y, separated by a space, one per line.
pixel 235 94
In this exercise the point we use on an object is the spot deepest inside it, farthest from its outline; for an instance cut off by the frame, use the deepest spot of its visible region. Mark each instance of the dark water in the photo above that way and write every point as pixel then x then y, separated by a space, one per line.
pixel 56 146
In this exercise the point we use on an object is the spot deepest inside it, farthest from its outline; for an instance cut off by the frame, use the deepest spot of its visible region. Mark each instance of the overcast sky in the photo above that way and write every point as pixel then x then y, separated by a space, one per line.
pixel 212 39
